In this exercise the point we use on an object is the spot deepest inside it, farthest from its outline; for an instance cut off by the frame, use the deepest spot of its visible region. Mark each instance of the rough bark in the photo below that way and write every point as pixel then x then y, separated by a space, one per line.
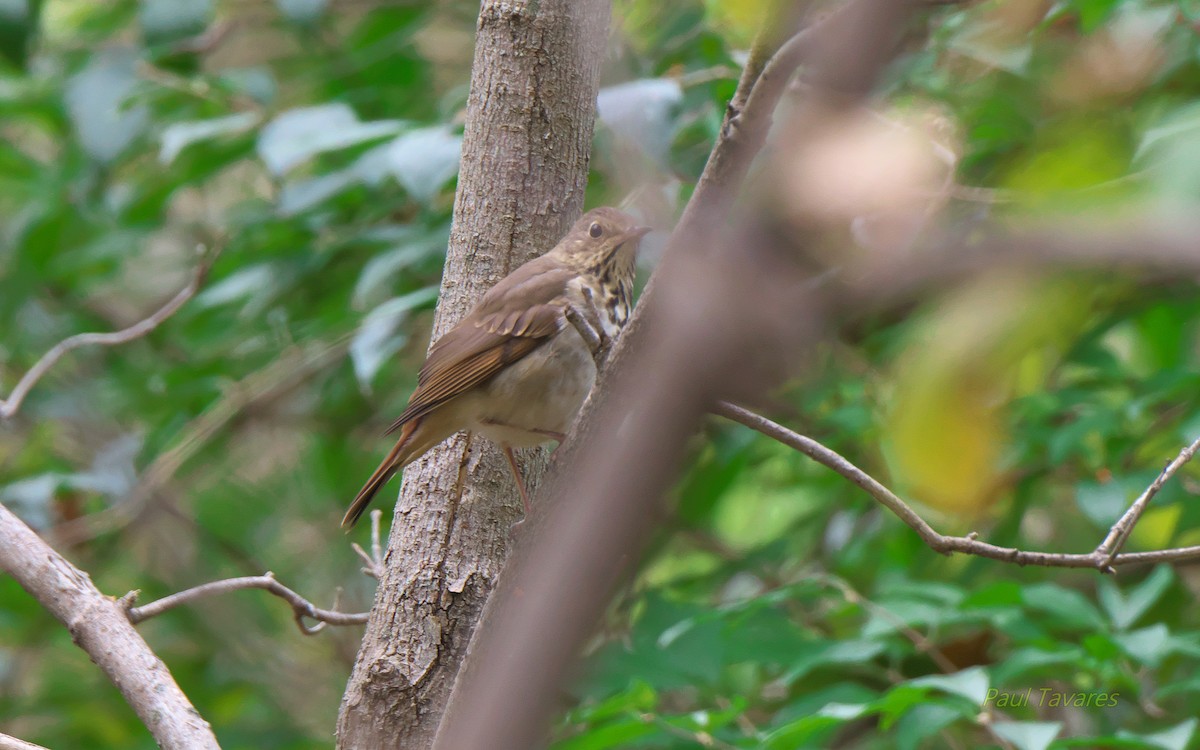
pixel 99 626
pixel 524 170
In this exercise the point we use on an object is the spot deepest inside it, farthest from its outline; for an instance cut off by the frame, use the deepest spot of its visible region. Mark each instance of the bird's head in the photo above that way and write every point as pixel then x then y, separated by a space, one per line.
pixel 603 238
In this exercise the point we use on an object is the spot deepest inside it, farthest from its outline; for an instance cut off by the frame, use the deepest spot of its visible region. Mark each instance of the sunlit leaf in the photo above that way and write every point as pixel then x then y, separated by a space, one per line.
pixel 297 135
pixel 1028 735
pixel 971 683
pixel 379 337
pixel 1125 610
pixel 421 160
pixel 180 135
pixel 95 99
pixel 1178 737
pixel 640 113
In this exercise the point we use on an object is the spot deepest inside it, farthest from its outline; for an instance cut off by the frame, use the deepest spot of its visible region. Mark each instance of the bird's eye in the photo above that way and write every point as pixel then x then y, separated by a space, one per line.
pixel 595 230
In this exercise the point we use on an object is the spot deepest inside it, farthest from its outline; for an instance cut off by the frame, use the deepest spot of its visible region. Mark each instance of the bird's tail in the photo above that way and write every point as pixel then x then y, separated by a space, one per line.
pixel 396 459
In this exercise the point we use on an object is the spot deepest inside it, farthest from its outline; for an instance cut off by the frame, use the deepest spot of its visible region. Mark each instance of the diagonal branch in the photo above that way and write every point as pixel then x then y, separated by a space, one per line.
pixel 10 406
pixel 1119 534
pixel 98 626
pixel 1104 558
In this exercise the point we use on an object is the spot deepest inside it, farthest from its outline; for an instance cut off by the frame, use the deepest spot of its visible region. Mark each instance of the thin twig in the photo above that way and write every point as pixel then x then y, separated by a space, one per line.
pixel 10 406
pixel 372 563
pixel 1119 534
pixel 301 607
pixel 969 544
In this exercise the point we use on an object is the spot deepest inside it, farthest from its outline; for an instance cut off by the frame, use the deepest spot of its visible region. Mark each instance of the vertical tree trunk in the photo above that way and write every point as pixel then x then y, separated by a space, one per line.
pixel 524 169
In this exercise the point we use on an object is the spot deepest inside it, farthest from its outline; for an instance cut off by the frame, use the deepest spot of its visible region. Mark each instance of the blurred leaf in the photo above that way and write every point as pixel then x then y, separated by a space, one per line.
pixel 923 722
pixel 1028 735
pixel 799 733
pixel 31 498
pixel 1103 503
pixel 379 336
pixel 112 472
pixel 1070 607
pixel 298 196
pixel 971 684
pixel 1178 737
pixel 830 653
pixel 377 275
pixel 95 98
pixel 302 11
pixel 297 135
pixel 180 135
pixel 421 160
pixel 641 113
pixel 1126 610
pixel 250 281
pixel 166 20
pixel 1149 645
pixel 256 82
pixel 19 20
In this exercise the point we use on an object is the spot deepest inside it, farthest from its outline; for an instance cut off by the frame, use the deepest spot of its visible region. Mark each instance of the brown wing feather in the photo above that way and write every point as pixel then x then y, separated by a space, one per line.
pixel 517 316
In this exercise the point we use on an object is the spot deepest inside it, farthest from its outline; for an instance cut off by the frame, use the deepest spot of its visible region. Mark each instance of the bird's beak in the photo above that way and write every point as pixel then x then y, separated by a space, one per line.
pixel 638 232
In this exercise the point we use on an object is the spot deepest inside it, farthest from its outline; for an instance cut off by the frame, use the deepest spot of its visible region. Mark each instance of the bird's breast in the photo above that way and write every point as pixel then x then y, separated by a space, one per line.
pixel 606 304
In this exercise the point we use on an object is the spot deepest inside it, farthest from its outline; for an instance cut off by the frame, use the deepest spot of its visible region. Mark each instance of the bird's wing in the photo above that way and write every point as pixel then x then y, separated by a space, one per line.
pixel 515 317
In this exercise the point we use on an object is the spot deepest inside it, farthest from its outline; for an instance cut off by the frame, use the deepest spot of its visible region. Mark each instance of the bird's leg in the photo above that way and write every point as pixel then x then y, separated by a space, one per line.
pixel 596 341
pixel 512 464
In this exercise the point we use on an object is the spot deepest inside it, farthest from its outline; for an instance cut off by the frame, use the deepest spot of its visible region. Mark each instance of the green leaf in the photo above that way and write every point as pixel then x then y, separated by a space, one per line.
pixel 1069 607
pixel 166 20
pixel 615 735
pixel 180 135
pixel 95 99
pixel 297 135
pixel 828 653
pixel 304 12
pixel 1148 645
pixel 1178 737
pixel 641 114
pixel 1126 610
pixel 971 683
pixel 1023 661
pixel 923 722
pixel 1103 503
pixel 797 733
pixel 380 335
pixel 1028 735
pixel 421 160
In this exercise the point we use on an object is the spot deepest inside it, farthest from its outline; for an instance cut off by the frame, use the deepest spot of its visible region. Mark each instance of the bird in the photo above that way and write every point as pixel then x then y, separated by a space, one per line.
pixel 518 367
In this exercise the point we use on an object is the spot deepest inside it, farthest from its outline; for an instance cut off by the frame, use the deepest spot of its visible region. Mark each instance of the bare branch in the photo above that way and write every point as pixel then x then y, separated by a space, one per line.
pixel 98 625
pixel 1104 558
pixel 301 607
pixel 10 406
pixel 12 743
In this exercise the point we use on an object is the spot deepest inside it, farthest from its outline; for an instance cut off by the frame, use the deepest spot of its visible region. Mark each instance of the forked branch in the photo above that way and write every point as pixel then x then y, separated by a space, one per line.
pixel 1104 558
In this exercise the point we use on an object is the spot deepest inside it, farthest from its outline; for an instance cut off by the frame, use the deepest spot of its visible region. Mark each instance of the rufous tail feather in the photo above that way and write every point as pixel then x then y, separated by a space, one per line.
pixel 395 460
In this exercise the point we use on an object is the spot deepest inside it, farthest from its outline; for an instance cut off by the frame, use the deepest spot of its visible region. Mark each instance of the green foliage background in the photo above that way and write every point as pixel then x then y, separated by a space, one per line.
pixel 314 146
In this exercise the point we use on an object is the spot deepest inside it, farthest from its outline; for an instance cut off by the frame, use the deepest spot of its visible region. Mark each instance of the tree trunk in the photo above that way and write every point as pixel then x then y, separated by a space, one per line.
pixel 524 169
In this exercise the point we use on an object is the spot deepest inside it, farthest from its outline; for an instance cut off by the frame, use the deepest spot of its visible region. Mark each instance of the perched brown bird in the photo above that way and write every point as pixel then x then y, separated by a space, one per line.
pixel 520 364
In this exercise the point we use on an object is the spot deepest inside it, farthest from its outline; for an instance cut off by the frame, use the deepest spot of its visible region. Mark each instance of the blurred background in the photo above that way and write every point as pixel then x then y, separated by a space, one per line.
pixel 314 144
